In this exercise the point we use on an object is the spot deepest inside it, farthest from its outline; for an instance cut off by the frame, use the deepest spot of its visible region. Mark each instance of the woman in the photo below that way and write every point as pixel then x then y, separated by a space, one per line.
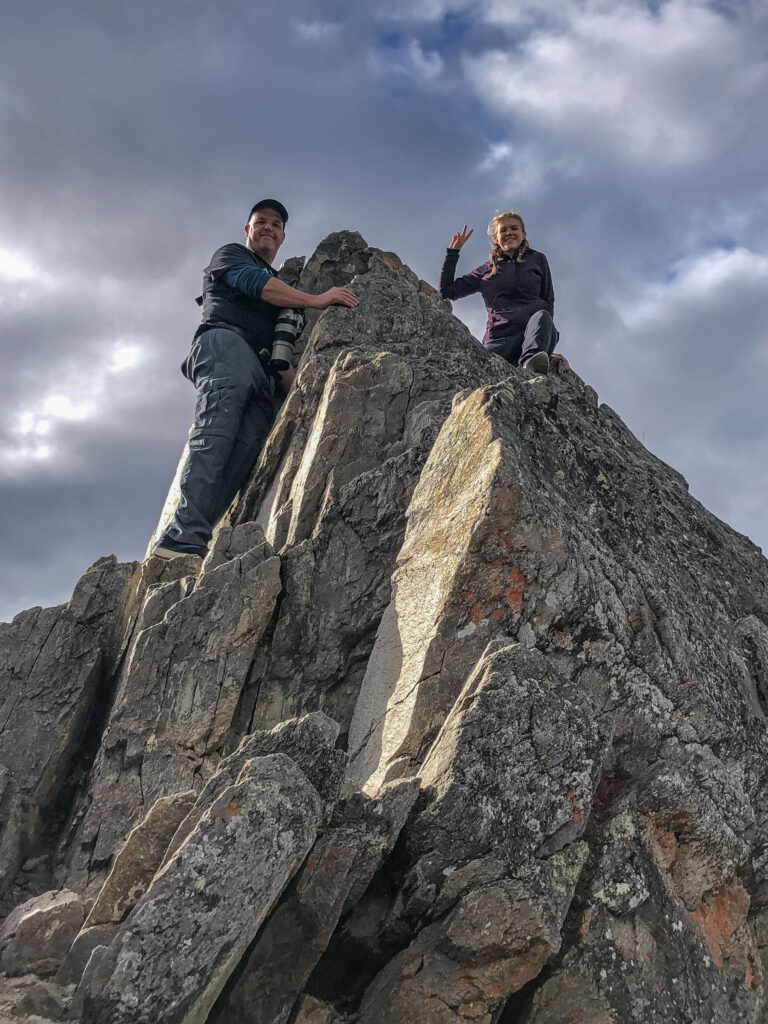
pixel 516 286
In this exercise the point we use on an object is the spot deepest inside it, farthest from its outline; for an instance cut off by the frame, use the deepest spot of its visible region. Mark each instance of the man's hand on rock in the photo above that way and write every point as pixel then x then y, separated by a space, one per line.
pixel 335 297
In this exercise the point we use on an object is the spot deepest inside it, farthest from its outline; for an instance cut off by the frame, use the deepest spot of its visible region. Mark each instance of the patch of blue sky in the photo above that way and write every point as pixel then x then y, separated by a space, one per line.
pixel 448 36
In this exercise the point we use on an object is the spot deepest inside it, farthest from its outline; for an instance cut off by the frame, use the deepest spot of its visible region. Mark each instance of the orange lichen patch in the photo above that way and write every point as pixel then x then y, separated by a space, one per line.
pixel 518 577
pixel 508 543
pixel 574 801
pixel 514 598
pixel 717 921
pixel 468 596
pixel 427 289
pixel 476 614
pixel 576 1015
pixel 667 843
pixel 392 262
pixel 495 592
pixel 232 808
pixel 586 922
pixel 498 561
pixel 468 981
pixel 496 613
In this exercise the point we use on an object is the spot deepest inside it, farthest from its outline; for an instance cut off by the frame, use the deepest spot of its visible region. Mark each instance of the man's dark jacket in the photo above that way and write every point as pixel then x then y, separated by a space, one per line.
pixel 223 306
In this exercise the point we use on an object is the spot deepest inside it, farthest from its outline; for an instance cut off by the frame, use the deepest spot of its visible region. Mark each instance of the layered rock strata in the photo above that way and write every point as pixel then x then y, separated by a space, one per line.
pixel 461 720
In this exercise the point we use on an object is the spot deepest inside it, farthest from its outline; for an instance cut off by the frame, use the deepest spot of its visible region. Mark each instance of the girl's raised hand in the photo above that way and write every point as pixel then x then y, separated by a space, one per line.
pixel 460 237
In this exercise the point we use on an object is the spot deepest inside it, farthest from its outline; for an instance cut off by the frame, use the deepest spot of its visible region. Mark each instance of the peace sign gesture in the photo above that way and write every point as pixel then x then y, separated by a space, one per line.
pixel 460 237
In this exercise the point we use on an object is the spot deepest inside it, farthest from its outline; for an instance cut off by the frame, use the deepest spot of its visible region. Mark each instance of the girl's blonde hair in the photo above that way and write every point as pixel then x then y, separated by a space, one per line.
pixel 496 251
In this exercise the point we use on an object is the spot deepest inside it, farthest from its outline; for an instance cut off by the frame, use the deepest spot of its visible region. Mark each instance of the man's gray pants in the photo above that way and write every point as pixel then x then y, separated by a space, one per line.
pixel 540 335
pixel 233 415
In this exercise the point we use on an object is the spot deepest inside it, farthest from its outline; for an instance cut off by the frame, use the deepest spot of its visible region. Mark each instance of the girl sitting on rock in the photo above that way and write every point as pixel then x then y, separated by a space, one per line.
pixel 516 286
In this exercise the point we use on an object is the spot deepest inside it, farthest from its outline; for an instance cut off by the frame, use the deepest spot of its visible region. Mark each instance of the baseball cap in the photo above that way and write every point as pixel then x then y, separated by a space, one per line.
pixel 270 204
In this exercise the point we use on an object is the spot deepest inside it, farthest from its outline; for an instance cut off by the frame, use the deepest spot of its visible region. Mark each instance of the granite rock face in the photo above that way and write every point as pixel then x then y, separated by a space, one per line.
pixel 336 476
pixel 190 929
pixel 54 665
pixel 176 697
pixel 462 719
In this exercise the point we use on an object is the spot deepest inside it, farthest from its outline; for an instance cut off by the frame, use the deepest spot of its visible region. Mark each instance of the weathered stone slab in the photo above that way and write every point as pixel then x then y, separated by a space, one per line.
pixel 175 951
pixel 54 662
pixel 639 954
pixel 511 775
pixel 28 1000
pixel 506 793
pixel 556 528
pixel 35 936
pixel 87 939
pixel 175 702
pixel 337 872
pixel 308 741
pixel 135 865
pixel 494 941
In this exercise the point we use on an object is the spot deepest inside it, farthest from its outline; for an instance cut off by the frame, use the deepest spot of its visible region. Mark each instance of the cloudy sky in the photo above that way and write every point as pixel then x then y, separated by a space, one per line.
pixel 135 137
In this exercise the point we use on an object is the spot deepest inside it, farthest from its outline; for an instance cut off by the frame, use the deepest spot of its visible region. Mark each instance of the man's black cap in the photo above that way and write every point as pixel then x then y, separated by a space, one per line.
pixel 271 204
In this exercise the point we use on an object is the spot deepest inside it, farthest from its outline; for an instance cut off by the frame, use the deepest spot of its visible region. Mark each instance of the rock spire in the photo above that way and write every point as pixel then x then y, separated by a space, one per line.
pixel 461 721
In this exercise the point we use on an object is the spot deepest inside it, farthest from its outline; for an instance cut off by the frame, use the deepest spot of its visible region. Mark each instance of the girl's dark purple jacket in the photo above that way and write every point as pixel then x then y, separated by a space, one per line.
pixel 511 296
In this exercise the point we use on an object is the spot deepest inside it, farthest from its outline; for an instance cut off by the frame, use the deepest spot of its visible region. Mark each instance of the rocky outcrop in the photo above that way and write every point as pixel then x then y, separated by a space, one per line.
pixel 176 698
pixel 55 664
pixel 187 933
pixel 335 479
pixel 461 720
pixel 338 870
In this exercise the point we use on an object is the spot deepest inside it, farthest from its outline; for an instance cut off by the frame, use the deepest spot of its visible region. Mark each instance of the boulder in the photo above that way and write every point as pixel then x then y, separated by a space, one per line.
pixel 179 945
pixel 338 870
pixel 336 476
pixel 36 936
pixel 496 851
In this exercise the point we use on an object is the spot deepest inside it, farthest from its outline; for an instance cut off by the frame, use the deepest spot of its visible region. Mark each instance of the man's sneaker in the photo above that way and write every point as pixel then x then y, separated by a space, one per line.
pixel 538 363
pixel 167 547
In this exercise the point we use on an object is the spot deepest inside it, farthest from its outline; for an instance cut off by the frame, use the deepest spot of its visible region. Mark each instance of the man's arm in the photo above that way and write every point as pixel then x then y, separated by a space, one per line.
pixel 259 283
pixel 277 293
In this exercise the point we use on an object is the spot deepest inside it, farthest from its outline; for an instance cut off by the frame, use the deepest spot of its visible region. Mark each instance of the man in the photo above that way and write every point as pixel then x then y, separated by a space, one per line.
pixel 242 299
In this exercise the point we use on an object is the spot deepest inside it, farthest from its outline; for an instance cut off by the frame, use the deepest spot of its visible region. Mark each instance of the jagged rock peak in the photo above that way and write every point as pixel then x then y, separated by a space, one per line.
pixel 463 718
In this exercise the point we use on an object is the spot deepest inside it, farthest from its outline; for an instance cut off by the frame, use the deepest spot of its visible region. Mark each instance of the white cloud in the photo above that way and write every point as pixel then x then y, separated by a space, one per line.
pixel 315 30
pixel 427 65
pixel 497 153
pixel 655 87
pixel 697 285
pixel 75 397
pixel 15 266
